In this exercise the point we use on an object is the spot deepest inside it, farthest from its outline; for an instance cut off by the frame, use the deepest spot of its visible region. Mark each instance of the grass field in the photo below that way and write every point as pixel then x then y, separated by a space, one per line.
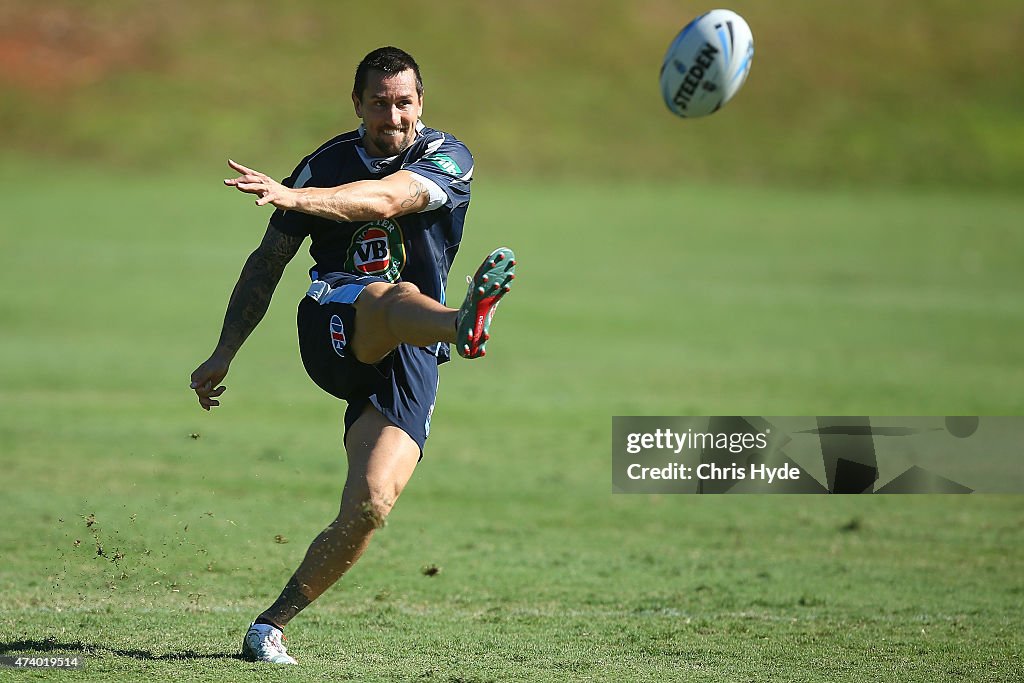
pixel 632 300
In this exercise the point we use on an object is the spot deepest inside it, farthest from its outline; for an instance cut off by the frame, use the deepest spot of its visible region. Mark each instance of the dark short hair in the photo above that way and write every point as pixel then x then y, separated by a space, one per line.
pixel 390 60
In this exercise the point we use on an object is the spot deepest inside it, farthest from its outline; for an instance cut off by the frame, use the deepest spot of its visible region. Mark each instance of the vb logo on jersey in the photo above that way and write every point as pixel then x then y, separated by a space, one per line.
pixel 338 340
pixel 377 249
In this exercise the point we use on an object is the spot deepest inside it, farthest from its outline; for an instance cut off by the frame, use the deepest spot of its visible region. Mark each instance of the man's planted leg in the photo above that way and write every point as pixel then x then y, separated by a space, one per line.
pixel 381 459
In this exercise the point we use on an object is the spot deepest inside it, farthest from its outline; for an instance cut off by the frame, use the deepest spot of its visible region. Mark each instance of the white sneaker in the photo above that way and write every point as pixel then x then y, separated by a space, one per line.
pixel 263 643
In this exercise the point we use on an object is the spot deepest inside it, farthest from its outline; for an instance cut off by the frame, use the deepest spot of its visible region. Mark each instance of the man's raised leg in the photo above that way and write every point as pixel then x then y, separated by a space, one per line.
pixel 390 314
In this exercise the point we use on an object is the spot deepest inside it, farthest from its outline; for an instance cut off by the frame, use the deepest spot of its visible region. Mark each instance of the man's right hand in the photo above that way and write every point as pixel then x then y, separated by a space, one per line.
pixel 206 380
pixel 263 186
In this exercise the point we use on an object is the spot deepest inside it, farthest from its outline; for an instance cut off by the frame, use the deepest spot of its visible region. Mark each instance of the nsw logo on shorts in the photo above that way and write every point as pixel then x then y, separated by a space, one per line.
pixel 338 335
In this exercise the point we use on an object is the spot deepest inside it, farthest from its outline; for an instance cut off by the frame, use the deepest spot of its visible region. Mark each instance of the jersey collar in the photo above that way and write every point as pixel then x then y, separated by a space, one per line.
pixel 378 164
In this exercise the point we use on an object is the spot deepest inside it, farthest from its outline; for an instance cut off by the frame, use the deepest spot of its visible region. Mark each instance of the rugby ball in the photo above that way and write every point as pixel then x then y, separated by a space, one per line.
pixel 706 64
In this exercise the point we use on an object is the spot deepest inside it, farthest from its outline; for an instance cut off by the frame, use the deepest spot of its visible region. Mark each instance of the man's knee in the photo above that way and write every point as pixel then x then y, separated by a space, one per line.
pixel 374 338
pixel 378 297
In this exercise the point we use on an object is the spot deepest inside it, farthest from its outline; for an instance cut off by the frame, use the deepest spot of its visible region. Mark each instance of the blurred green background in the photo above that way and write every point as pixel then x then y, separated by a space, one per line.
pixel 873 93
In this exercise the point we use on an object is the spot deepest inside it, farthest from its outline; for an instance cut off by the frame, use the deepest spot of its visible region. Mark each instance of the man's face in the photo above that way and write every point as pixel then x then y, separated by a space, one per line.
pixel 389 108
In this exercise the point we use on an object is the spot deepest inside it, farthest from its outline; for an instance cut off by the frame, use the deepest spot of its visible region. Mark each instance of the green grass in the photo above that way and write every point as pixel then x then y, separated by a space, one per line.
pixel 631 300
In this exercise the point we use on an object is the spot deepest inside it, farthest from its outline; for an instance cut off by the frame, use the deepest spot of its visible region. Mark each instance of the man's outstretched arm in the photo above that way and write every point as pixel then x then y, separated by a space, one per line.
pixel 398 194
pixel 246 307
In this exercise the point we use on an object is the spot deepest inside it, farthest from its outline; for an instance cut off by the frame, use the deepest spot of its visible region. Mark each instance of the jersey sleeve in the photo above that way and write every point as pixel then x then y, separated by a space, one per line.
pixel 449 167
pixel 293 222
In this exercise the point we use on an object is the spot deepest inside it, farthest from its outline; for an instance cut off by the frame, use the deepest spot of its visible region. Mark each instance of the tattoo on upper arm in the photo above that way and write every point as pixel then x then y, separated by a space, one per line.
pixel 256 284
pixel 416 190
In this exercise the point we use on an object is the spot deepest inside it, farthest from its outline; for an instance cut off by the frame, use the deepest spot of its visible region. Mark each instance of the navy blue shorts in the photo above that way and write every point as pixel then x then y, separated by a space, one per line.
pixel 403 386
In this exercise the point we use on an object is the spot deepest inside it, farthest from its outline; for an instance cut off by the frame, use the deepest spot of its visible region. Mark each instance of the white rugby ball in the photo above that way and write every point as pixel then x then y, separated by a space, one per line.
pixel 706 64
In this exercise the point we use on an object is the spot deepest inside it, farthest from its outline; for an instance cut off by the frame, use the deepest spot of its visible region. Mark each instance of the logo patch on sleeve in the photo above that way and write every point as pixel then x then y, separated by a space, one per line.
pixel 445 163
pixel 338 340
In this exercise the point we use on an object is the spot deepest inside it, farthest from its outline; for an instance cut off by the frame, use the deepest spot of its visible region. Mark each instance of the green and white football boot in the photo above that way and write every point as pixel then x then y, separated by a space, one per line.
pixel 492 281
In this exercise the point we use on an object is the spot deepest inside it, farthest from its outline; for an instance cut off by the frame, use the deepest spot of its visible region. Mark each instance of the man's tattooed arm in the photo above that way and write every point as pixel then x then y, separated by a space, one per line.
pixel 395 195
pixel 251 297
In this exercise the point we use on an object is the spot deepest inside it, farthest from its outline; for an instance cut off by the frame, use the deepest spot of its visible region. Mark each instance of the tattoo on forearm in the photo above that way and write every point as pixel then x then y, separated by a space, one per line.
pixel 251 296
pixel 416 188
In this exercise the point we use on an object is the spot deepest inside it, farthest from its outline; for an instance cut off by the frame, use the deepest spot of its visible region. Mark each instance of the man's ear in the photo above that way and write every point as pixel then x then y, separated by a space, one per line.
pixel 357 104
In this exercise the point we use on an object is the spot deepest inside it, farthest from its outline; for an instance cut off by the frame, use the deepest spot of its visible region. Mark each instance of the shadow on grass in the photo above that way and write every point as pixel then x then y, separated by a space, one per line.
pixel 51 645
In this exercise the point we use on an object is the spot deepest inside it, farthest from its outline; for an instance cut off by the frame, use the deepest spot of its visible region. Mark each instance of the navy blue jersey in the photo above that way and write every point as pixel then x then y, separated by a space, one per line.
pixel 417 248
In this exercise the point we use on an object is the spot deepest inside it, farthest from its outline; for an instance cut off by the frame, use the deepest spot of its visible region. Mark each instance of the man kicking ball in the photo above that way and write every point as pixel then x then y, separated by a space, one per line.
pixel 384 206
